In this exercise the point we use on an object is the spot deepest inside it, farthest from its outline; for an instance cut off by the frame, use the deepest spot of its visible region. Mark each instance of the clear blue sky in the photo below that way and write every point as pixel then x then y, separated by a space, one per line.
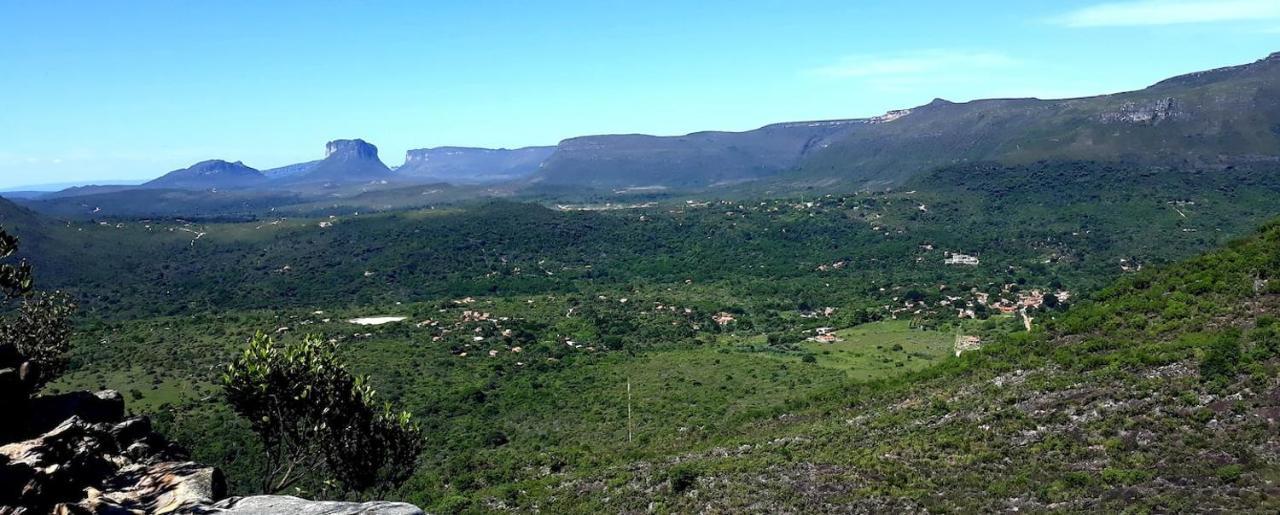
pixel 126 90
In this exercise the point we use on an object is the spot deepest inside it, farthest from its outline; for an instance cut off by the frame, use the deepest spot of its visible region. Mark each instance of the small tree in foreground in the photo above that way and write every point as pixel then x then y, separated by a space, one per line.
pixel 315 418
pixel 35 327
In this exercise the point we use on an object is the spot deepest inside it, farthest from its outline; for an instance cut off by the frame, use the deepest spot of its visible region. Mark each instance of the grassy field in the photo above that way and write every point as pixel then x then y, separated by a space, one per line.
pixel 881 349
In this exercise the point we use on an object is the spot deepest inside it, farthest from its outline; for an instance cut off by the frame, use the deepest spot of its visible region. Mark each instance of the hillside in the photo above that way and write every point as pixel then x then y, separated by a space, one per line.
pixel 210 174
pixel 1210 118
pixel 1159 394
pixel 1121 401
pixel 694 160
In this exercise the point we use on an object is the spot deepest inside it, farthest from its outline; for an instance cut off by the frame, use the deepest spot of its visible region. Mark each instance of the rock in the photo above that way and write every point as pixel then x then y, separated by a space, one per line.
pixel 29 373
pixel 79 467
pixel 170 487
pixel 286 505
pixel 131 430
pixel 48 411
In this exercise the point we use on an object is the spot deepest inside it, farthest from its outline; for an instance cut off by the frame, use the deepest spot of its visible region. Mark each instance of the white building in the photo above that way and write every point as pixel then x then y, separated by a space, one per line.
pixel 960 259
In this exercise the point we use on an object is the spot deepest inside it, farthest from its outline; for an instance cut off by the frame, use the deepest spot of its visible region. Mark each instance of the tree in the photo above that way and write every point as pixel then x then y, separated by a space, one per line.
pixel 318 420
pixel 36 330
pixel 1050 300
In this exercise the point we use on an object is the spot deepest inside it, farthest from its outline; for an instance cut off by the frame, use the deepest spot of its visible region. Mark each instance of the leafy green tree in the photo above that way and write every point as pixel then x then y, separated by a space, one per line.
pixel 36 330
pixel 317 420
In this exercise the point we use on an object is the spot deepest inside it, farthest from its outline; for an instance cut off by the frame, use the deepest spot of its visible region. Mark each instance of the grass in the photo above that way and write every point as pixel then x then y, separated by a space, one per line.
pixel 879 350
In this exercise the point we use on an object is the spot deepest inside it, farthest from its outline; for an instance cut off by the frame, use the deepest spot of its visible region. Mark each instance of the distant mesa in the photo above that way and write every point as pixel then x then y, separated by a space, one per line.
pixel 462 165
pixel 214 173
pixel 346 161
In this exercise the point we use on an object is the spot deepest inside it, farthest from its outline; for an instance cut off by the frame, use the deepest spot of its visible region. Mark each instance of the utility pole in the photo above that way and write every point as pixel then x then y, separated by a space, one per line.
pixel 629 435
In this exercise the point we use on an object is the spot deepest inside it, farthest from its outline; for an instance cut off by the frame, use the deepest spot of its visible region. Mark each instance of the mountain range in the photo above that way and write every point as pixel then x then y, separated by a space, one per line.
pixel 1208 119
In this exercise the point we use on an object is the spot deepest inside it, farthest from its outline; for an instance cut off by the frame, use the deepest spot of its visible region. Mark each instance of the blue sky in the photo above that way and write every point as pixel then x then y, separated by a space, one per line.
pixel 130 90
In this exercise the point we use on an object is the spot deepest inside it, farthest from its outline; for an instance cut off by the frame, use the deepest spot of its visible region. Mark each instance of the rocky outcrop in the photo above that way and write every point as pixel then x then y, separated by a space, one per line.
pixel 348 161
pixel 1148 112
pixel 96 461
pixel 350 149
pixel 263 504
pixel 121 467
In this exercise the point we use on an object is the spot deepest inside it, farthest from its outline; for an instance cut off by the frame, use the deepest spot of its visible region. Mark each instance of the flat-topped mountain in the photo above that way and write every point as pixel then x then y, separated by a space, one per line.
pixel 692 160
pixel 346 161
pixel 1206 118
pixel 214 173
pixel 462 165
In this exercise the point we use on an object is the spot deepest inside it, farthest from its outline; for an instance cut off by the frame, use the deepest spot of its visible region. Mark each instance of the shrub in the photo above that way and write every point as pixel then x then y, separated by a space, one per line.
pixel 1230 473
pixel 314 417
pixel 39 330
pixel 1221 358
pixel 682 478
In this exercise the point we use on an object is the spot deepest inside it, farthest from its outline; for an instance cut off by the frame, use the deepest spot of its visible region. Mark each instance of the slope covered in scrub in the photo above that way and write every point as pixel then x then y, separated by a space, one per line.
pixel 1158 394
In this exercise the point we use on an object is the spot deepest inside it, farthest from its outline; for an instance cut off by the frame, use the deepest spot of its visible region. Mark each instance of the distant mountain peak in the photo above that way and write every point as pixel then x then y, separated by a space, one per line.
pixel 212 173
pixel 356 148
pixel 346 161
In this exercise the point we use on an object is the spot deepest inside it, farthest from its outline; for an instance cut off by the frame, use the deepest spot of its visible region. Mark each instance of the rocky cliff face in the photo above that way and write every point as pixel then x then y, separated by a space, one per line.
pixel 353 149
pixel 464 165
pixel 346 161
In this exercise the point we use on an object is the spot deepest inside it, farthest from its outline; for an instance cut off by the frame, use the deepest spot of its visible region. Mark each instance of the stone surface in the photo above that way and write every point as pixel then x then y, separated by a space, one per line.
pixel 50 410
pixel 111 466
pixel 286 505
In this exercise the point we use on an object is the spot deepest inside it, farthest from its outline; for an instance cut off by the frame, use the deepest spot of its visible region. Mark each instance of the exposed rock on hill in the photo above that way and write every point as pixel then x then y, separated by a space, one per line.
pixel 346 161
pixel 286 504
pixel 76 453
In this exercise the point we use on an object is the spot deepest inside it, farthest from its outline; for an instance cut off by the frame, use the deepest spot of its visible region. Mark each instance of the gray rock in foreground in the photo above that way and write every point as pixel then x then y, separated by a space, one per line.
pixel 287 505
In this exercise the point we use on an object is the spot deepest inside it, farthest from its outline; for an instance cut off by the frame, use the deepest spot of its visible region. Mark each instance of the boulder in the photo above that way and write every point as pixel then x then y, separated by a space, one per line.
pixel 48 411
pixel 83 467
pixel 287 505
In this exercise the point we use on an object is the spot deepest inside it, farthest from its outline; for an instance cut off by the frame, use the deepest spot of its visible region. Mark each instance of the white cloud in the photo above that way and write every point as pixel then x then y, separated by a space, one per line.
pixel 1169 12
pixel 912 64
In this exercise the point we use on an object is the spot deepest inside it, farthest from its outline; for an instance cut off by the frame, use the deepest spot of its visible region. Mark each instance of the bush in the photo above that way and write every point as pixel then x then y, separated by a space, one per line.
pixel 39 330
pixel 1230 473
pixel 314 417
pixel 682 478
pixel 1221 358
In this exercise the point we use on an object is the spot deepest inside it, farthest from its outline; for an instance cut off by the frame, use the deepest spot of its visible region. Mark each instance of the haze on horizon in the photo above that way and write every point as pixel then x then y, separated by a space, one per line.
pixel 130 91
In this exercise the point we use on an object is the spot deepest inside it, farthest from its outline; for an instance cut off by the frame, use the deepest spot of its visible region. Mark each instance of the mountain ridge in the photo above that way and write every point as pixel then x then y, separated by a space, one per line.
pixel 1209 118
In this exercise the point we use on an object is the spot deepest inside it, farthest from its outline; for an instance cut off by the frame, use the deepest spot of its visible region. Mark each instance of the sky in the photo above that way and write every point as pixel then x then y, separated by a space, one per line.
pixel 129 90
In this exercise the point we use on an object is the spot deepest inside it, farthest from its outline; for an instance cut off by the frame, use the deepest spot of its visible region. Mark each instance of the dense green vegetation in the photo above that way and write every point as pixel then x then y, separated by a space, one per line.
pixel 584 360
